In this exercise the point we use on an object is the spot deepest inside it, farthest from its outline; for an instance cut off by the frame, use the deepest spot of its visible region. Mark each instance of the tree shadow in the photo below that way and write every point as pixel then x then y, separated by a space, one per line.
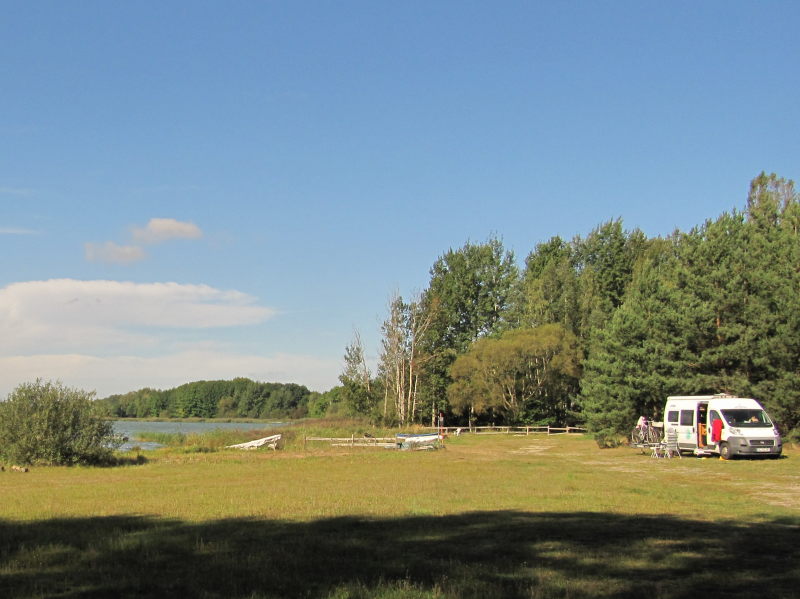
pixel 480 554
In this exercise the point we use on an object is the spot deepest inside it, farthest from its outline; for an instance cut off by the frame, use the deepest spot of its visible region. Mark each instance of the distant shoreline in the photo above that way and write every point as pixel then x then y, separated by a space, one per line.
pixel 211 420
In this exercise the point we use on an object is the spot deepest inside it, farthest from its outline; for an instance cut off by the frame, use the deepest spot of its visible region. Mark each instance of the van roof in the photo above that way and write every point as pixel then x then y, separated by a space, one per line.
pixel 703 397
pixel 726 401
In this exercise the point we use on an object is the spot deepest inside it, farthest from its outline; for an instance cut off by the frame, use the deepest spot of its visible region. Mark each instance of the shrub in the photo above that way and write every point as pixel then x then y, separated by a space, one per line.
pixel 48 423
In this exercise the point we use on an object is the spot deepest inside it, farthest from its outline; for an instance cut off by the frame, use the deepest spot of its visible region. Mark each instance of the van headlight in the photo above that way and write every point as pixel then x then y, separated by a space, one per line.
pixel 735 431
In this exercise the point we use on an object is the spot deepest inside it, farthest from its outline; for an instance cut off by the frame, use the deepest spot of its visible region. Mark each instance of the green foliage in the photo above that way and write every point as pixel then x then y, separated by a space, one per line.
pixel 330 403
pixel 470 289
pixel 549 290
pixel 525 375
pixel 48 423
pixel 238 398
pixel 715 311
pixel 357 393
pixel 641 356
pixel 468 296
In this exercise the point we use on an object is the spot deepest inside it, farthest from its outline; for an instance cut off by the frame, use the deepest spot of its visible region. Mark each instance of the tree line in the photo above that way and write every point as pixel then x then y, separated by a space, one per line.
pixel 237 398
pixel 595 330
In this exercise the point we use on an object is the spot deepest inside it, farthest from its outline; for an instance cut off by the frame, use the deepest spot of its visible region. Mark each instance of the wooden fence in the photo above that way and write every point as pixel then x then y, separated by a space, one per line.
pixel 511 430
pixel 353 441
pixel 389 442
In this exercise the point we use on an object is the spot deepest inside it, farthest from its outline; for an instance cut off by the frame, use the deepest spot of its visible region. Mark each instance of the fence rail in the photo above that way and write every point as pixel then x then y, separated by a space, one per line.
pixel 354 441
pixel 512 430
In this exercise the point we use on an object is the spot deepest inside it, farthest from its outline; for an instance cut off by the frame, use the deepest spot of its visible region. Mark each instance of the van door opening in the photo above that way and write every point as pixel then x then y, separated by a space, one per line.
pixel 702 428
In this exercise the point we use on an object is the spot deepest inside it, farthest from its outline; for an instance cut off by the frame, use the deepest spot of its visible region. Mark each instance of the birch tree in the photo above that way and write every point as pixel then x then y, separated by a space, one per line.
pixel 401 357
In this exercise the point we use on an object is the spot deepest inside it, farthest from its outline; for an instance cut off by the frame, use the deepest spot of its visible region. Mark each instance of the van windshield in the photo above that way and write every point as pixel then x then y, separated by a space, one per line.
pixel 747 418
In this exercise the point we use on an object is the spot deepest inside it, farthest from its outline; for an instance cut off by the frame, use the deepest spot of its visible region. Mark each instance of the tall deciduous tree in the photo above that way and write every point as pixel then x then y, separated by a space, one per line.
pixel 548 290
pixel 605 260
pixel 468 296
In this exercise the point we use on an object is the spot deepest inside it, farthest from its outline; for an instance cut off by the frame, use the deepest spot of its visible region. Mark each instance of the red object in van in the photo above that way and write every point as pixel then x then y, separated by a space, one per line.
pixel 716 430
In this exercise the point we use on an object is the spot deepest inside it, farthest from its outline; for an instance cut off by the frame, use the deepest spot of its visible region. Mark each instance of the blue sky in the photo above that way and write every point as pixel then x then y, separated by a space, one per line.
pixel 199 190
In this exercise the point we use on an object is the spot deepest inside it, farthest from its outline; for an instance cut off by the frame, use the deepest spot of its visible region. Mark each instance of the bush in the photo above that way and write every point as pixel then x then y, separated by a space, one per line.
pixel 48 423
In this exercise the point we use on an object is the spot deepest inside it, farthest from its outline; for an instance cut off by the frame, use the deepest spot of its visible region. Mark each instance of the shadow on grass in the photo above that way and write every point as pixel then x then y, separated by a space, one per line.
pixel 482 554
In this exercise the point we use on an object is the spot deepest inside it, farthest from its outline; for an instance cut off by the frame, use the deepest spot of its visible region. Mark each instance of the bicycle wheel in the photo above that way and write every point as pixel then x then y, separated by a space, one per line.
pixel 653 435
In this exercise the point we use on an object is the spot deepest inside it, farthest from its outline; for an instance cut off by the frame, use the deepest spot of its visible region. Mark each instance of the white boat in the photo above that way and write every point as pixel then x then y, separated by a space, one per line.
pixel 271 442
pixel 420 441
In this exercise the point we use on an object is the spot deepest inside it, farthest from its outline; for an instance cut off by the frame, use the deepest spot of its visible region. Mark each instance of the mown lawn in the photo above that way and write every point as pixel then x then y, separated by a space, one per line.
pixel 490 516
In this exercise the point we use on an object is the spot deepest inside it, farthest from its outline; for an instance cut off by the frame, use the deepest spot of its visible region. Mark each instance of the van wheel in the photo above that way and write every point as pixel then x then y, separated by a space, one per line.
pixel 725 452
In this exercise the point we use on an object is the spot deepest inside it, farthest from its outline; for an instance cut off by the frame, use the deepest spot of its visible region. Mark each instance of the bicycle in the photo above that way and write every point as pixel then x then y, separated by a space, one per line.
pixel 646 434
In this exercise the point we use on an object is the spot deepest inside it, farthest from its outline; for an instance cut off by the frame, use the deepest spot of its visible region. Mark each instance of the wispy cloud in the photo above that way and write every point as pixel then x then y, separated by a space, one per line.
pixel 115 336
pixel 112 253
pixel 159 230
pixel 72 315
pixel 17 231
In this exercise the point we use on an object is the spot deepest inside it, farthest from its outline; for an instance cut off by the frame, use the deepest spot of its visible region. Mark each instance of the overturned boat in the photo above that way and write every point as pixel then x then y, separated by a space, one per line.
pixel 271 442
pixel 410 441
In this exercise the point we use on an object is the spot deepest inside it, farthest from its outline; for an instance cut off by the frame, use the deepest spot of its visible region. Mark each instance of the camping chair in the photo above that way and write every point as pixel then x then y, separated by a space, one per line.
pixel 657 450
pixel 670 444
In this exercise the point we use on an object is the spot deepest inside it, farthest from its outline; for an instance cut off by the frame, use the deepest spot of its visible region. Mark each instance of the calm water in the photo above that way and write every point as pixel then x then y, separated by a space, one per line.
pixel 129 428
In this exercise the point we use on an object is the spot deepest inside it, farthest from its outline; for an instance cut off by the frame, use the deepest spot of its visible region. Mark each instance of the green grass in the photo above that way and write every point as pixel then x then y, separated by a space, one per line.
pixel 488 517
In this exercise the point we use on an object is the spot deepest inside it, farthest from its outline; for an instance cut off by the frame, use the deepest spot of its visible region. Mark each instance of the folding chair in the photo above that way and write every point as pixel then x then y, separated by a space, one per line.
pixel 670 444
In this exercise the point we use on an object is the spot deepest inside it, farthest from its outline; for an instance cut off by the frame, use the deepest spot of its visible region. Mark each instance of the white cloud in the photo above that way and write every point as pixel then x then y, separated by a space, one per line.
pixel 68 315
pixel 157 230
pixel 115 336
pixel 163 229
pixel 111 252
pixel 110 375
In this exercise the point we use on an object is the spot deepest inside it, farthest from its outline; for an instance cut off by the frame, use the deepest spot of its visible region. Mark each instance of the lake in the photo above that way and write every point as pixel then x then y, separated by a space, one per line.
pixel 129 428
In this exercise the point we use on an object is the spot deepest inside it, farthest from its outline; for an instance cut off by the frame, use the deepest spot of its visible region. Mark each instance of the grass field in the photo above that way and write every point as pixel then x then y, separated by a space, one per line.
pixel 488 517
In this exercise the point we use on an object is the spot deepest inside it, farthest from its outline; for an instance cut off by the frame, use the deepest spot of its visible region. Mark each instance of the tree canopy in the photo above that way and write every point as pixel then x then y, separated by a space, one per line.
pixel 524 375
pixel 237 398
pixel 715 309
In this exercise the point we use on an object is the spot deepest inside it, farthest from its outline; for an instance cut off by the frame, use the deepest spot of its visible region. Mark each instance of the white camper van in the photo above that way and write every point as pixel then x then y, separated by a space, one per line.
pixel 744 428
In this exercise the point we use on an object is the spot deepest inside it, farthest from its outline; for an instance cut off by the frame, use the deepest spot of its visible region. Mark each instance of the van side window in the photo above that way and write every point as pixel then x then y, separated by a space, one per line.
pixel 672 416
pixel 687 417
